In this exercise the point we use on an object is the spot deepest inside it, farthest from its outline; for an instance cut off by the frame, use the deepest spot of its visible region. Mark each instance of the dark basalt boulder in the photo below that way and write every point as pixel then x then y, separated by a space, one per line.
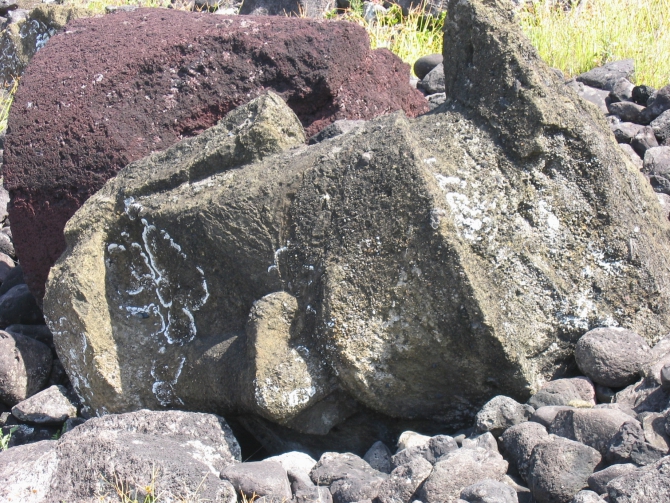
pixel 123 86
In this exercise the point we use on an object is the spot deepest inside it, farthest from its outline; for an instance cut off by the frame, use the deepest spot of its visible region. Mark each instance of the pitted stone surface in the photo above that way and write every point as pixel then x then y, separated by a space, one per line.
pixel 498 232
pixel 126 85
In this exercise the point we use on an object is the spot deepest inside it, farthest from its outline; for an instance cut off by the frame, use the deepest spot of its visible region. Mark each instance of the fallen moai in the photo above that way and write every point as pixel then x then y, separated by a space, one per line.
pixel 411 267
pixel 179 73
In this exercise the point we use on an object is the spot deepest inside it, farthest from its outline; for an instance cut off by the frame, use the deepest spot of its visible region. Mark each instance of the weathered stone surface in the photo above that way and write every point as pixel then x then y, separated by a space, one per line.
pixel 661 127
pixel 500 413
pixel 433 82
pixel 489 491
pixel 485 441
pixel 432 450
pixel 599 480
pixel 656 165
pixel 642 486
pixel 18 306
pixel 296 464
pixel 379 457
pixel 643 141
pixel 335 129
pixel 629 446
pixel 20 41
pixel 593 427
pixel 559 468
pixel 643 396
pixel 260 478
pixel 632 155
pixel 624 132
pixel 612 356
pixel 6 266
pixel 622 90
pixel 545 415
pixel 598 97
pixel 425 64
pixel 564 392
pixel 519 442
pixel 349 477
pixel 660 352
pixel 586 496
pixel 14 277
pixel 656 105
pixel 409 439
pixel 182 452
pixel 187 70
pixel 641 94
pixel 25 365
pixel 50 406
pixel 653 425
pixel 459 469
pixel 389 312
pixel 606 76
pixel 627 111
pixel 404 481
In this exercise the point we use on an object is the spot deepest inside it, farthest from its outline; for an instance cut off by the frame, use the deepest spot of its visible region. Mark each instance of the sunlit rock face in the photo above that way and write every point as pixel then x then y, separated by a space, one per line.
pixel 408 270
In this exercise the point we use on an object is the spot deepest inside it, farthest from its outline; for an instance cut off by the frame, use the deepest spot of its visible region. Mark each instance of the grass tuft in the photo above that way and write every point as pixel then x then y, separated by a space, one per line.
pixel 4 439
pixel 595 32
pixel 6 100
pixel 409 37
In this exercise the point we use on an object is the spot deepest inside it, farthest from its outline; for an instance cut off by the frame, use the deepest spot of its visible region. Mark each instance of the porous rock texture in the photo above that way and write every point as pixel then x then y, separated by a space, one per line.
pixel 135 450
pixel 126 85
pixel 410 267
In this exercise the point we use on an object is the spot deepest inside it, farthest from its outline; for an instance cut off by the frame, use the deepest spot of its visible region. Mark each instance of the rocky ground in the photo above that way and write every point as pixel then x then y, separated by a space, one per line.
pixel 602 434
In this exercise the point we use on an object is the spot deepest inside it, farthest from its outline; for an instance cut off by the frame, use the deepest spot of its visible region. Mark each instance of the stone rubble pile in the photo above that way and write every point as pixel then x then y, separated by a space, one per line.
pixel 37 401
pixel 603 435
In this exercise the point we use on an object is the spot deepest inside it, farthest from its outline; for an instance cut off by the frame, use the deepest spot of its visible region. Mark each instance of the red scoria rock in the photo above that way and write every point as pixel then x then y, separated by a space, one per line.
pixel 111 90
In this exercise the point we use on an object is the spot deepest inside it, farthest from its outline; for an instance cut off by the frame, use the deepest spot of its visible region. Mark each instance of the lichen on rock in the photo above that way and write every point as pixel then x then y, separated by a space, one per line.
pixel 414 267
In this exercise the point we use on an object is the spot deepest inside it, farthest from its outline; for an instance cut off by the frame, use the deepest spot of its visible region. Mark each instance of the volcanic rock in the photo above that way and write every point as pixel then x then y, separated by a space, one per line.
pixel 425 64
pixel 414 267
pixel 135 449
pixel 599 480
pixel 519 441
pixel 24 367
pixel 641 486
pixel 180 73
pixel 612 356
pixel 564 392
pixel 593 427
pixel 559 468
pixel 50 406
pixel 459 469
pixel 500 413
pixel 606 76
pixel 260 478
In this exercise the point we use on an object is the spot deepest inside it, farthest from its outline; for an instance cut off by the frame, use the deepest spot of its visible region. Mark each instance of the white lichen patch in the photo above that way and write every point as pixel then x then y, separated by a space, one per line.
pixel 166 377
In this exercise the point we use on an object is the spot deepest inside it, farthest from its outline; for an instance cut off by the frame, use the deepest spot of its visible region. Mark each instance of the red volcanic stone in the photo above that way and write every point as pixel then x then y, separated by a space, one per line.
pixel 111 90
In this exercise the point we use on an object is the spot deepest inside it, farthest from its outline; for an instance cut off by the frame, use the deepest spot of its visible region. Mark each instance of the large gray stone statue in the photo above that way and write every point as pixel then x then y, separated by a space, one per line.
pixel 408 269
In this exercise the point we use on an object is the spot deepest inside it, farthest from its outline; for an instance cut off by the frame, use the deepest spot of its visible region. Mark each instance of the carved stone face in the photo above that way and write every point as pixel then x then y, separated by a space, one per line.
pixel 408 270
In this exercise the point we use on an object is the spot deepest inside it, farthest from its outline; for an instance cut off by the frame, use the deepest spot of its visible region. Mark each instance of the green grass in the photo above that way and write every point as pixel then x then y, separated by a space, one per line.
pixel 6 100
pixel 4 439
pixel 409 37
pixel 596 32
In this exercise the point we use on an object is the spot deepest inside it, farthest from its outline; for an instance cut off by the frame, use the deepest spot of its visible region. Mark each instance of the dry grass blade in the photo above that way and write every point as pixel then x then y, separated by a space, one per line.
pixel 596 32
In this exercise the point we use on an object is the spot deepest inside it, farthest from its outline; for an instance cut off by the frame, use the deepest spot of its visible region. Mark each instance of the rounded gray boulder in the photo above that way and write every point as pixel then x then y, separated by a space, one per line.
pixel 612 356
